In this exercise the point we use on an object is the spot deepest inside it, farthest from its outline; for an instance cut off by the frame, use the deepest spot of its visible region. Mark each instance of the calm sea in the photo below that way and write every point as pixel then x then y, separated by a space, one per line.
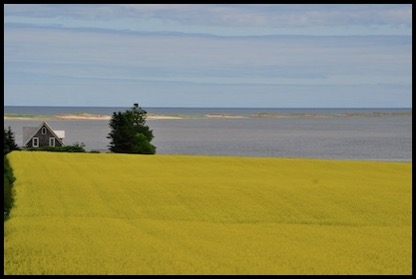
pixel 49 111
pixel 382 137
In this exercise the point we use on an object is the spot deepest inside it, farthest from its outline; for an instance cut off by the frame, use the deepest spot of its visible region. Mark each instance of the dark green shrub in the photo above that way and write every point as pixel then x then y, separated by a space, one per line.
pixel 8 171
pixel 143 146
pixel 8 188
pixel 67 148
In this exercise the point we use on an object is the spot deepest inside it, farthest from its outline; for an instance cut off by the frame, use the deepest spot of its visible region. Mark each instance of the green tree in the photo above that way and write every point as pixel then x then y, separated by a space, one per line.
pixel 9 141
pixel 129 132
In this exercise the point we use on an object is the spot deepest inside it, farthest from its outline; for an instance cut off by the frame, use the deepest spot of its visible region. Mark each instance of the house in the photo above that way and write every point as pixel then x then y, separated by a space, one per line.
pixel 42 136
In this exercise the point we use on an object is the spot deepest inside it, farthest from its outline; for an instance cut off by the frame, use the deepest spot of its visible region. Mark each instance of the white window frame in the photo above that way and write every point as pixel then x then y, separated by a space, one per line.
pixel 35 139
pixel 43 131
pixel 52 141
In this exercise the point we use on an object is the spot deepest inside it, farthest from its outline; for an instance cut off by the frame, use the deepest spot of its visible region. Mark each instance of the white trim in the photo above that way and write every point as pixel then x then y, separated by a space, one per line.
pixel 52 141
pixel 43 131
pixel 33 142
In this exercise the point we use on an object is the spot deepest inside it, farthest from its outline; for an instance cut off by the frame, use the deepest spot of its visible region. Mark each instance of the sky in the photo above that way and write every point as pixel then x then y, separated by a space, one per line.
pixel 208 55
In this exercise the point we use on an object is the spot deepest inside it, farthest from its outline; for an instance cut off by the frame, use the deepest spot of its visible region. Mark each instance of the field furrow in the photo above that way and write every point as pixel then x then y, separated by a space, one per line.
pixel 169 214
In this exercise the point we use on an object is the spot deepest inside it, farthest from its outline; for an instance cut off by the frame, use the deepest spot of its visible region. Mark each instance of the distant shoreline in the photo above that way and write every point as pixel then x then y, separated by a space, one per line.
pixel 87 116
pixel 80 116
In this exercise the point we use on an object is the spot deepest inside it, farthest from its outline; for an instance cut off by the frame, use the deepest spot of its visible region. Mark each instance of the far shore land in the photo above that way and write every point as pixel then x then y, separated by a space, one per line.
pixel 87 116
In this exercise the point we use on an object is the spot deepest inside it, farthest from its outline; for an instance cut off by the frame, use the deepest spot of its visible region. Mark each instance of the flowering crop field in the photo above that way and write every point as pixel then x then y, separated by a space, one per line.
pixel 88 213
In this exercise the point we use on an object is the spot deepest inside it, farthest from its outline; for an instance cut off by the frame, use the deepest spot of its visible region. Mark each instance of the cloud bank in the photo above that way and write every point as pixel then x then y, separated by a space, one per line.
pixel 51 55
pixel 274 15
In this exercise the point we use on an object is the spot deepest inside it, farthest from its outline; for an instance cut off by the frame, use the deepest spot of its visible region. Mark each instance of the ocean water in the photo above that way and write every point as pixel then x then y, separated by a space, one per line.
pixel 364 137
pixel 49 111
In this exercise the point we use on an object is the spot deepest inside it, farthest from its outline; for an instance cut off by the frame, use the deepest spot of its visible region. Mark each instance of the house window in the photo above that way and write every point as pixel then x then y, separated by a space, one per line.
pixel 52 142
pixel 35 142
pixel 43 131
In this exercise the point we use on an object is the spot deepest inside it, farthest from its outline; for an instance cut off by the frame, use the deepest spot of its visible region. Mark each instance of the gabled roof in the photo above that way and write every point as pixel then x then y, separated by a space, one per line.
pixel 31 132
pixel 28 132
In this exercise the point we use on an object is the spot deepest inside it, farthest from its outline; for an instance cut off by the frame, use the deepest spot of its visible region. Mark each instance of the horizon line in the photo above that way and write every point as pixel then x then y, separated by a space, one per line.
pixel 197 107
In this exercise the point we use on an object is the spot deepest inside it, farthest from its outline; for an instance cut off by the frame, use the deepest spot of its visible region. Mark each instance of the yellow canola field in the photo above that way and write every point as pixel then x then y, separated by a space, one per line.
pixel 90 213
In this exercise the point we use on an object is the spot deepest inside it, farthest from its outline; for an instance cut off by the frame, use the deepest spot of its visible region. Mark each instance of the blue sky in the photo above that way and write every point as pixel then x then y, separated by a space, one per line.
pixel 216 55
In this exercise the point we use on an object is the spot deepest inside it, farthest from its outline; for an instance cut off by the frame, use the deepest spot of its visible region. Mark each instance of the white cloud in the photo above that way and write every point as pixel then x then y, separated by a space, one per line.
pixel 276 15
pixel 71 55
pixel 224 60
